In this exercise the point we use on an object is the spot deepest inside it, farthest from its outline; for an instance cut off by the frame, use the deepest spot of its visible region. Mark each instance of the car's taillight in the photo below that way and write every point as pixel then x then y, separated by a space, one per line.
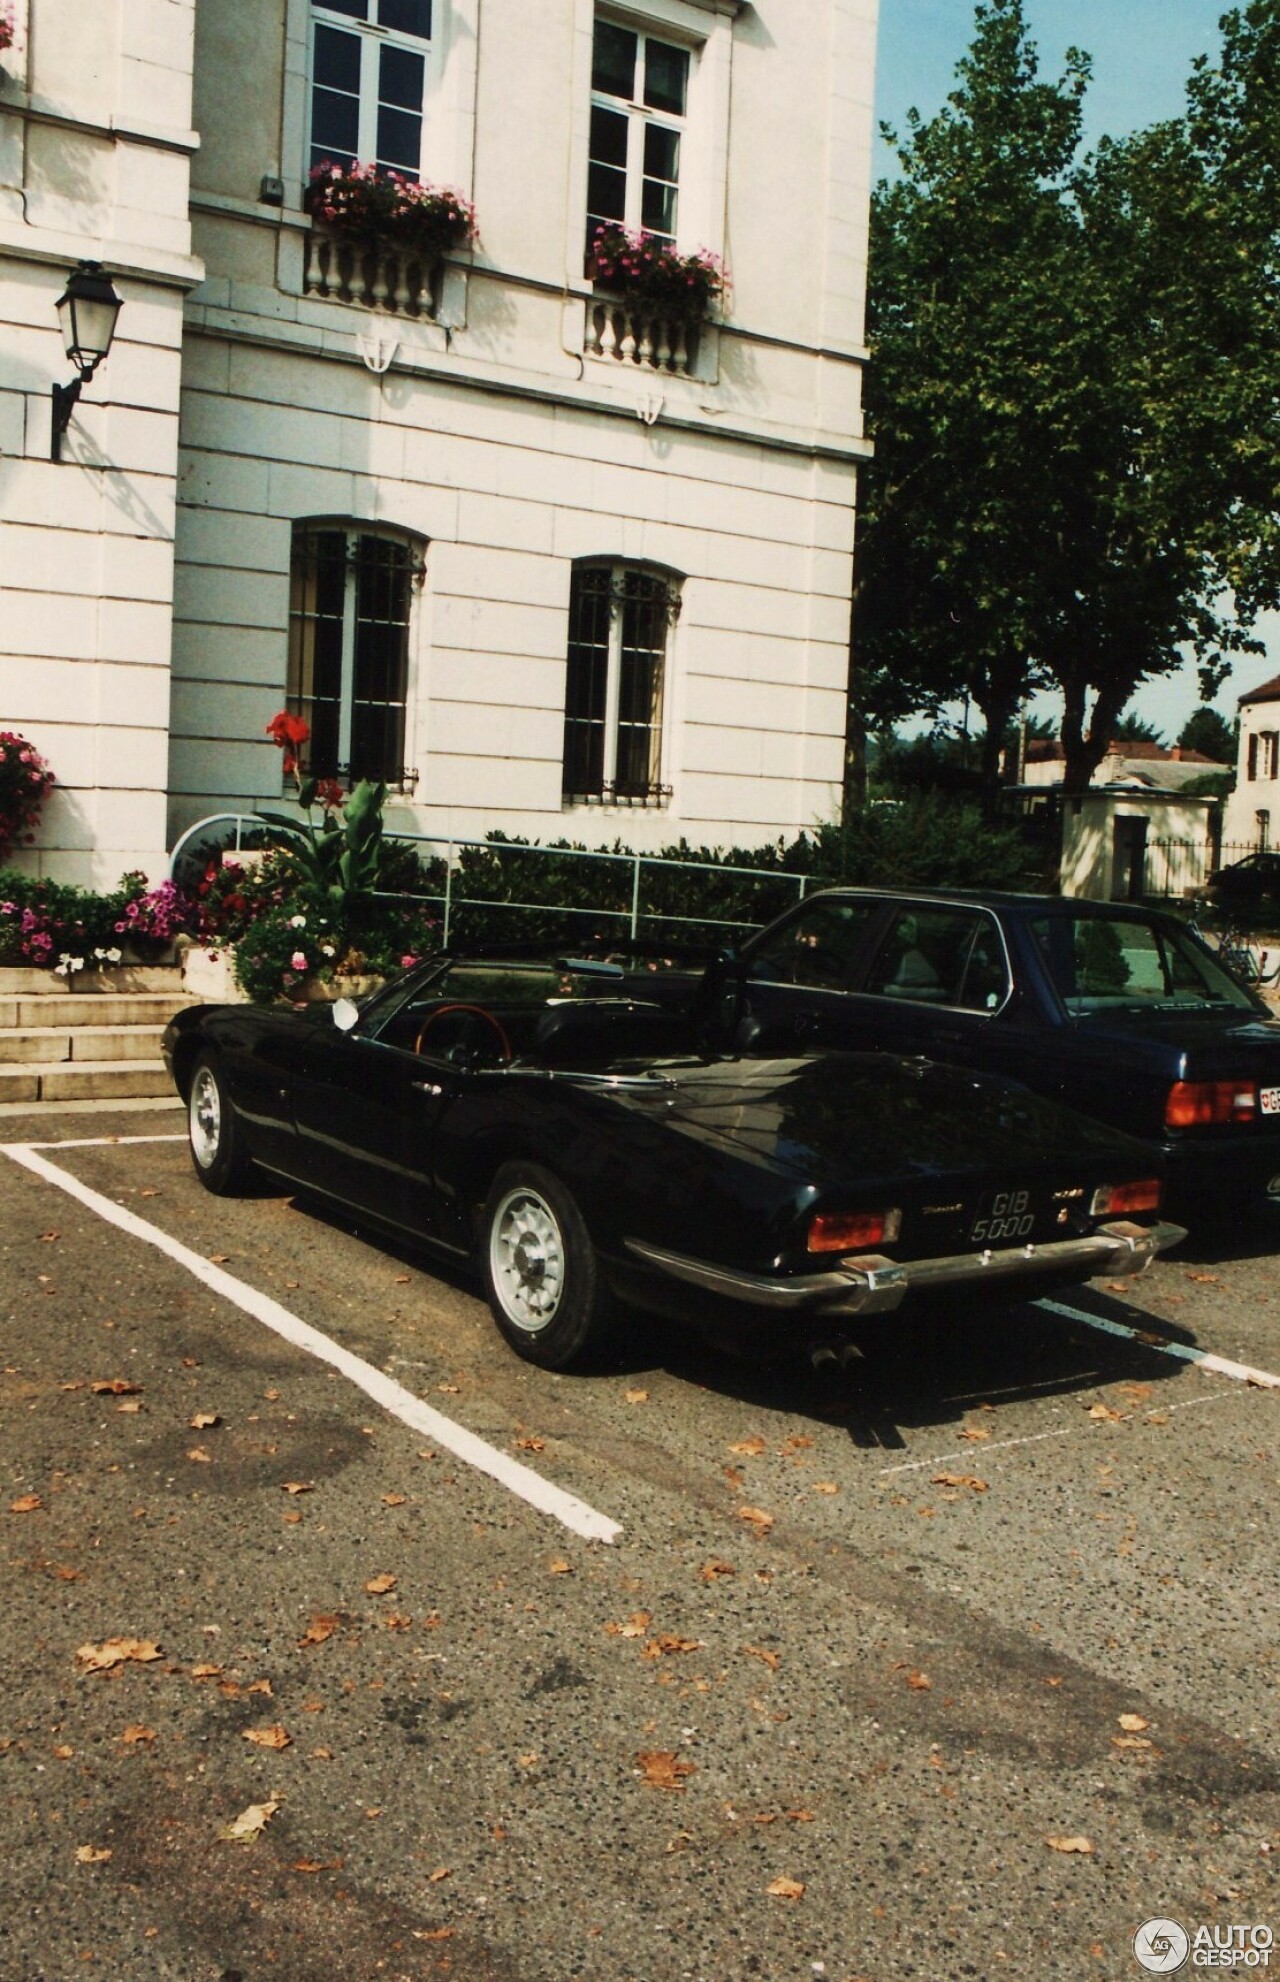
pixel 852 1231
pixel 1109 1200
pixel 1195 1104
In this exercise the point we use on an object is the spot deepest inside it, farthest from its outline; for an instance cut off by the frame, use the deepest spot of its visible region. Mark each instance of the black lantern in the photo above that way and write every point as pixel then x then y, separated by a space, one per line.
pixel 87 312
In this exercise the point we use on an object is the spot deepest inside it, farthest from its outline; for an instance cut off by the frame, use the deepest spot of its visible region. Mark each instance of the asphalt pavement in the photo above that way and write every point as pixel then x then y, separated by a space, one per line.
pixel 341 1645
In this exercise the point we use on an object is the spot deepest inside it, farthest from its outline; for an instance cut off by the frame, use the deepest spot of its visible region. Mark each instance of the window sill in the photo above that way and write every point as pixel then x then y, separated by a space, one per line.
pixel 380 277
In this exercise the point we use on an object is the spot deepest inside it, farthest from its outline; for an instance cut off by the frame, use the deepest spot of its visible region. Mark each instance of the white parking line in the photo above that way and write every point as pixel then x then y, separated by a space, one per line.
pixel 1203 1358
pixel 518 1479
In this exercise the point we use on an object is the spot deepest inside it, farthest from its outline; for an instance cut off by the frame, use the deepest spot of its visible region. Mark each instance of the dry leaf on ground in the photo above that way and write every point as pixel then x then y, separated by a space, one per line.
pixel 114 1651
pixel 771 1659
pixel 635 1627
pixel 1132 1723
pixel 661 1768
pixel 298 1486
pixel 319 1629
pixel 251 1822
pixel 88 1854
pixel 378 1586
pixel 637 1397
pixel 204 1421
pixel 756 1518
pixel 267 1737
pixel 785 1889
pixel 711 1572
pixel 749 1448
pixel 669 1641
pixel 116 1386
pixel 28 1503
pixel 1083 1845
pixel 1103 1414
pixel 136 1733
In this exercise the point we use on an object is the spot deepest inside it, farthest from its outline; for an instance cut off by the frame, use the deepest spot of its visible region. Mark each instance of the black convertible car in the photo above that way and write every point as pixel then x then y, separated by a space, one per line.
pixel 564 1124
pixel 1116 1009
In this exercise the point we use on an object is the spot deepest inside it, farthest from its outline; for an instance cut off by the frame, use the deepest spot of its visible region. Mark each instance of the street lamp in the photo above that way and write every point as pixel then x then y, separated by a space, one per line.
pixel 87 312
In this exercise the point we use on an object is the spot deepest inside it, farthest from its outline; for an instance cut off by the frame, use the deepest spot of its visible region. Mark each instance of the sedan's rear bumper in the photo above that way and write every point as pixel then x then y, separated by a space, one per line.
pixel 876 1285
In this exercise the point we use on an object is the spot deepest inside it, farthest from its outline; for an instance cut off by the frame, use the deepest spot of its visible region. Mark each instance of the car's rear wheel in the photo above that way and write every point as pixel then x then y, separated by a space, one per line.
pixel 541 1272
pixel 216 1138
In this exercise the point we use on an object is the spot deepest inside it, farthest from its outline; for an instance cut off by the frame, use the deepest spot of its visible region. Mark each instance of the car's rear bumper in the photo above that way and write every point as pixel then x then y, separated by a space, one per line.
pixel 1224 1172
pixel 876 1285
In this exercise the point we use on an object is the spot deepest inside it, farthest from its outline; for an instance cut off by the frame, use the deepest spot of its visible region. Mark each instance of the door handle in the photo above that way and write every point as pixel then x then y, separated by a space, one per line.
pixel 426 1087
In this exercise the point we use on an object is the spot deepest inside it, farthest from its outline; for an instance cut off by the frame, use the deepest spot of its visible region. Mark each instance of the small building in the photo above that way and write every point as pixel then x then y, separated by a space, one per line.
pixel 1252 816
pixel 1135 833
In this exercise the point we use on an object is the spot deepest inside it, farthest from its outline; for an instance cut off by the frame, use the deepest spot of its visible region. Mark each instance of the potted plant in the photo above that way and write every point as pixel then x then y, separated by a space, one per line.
pixel 25 778
pixel 385 209
pixel 653 278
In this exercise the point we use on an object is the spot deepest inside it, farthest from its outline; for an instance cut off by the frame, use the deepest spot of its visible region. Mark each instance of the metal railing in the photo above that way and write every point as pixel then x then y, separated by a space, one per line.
pixel 631 918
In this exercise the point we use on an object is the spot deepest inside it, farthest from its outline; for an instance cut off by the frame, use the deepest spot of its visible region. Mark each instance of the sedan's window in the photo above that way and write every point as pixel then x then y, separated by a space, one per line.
pixel 941 956
pixel 818 946
pixel 1099 962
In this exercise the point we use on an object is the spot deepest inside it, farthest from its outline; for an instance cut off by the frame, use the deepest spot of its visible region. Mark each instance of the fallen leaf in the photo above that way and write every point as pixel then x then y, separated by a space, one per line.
pixel 131 1405
pixel 1103 1413
pixel 1133 1723
pixel 397 1622
pixel 635 1627
pixel 661 1768
pixel 219 1259
pixel 298 1486
pixel 826 1486
pixel 771 1659
pixel 373 1814
pixel 206 1671
pixel 1206 1279
pixel 319 1629
pixel 199 1456
pixel 441 1872
pixel 88 1854
pixel 114 1651
pixel 204 1420
pixel 394 1499
pixel 756 1518
pixel 251 1822
pixel 529 1761
pixel 148 1193
pixel 29 1503
pixel 960 1480
pixel 712 1571
pixel 267 1737
pixel 433 1933
pixel 531 1444
pixel 919 1682
pixel 64 1751
pixel 133 1735
pixel 47 1238
pixel 975 1433
pixel 669 1641
pixel 798 1442
pixel 316 1865
pixel 749 1448
pixel 449 1389
pixel 1131 1741
pixel 637 1397
pixel 378 1586
pixel 116 1386
pixel 402 1279
pixel 559 1567
pixel 785 1889
pixel 1083 1845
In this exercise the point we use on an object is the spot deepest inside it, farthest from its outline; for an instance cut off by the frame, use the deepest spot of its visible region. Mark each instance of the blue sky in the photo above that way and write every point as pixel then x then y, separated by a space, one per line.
pixel 1142 54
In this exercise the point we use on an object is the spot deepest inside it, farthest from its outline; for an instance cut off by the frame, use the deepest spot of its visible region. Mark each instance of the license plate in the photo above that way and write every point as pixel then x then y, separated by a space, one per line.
pixel 1269 1100
pixel 1006 1217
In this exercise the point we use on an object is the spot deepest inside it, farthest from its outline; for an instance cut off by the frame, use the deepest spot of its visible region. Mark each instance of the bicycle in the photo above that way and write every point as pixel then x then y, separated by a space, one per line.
pixel 1237 951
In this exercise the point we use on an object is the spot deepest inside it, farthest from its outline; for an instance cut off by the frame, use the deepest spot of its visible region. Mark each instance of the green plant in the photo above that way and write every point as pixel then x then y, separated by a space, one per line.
pixel 25 780
pixel 290 943
pixel 379 206
pixel 340 857
pixel 50 925
pixel 654 276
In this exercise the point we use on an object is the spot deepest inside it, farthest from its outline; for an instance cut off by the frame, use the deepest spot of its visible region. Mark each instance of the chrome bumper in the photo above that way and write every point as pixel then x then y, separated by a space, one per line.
pixel 875 1285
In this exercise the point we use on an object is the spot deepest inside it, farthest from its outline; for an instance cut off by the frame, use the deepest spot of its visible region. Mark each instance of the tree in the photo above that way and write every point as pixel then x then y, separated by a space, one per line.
pixel 962 310
pixel 1073 393
pixel 1133 729
pixel 1209 733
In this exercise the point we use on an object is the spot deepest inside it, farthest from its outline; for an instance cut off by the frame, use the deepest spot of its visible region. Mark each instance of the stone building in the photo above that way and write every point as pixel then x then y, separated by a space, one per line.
pixel 548 558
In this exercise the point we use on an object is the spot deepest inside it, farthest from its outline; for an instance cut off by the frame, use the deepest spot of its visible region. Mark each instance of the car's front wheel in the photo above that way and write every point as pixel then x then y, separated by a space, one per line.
pixel 216 1138
pixel 541 1272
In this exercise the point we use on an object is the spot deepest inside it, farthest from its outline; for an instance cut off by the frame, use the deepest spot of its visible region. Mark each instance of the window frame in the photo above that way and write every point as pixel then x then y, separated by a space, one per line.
pixel 301 697
pixel 606 703
pixel 373 38
pixel 640 117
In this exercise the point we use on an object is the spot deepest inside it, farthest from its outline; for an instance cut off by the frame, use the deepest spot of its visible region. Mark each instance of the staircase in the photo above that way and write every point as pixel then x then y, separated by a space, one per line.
pixel 95 1041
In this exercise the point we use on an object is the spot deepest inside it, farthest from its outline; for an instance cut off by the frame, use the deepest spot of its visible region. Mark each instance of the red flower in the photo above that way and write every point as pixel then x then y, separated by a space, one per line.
pixel 287 730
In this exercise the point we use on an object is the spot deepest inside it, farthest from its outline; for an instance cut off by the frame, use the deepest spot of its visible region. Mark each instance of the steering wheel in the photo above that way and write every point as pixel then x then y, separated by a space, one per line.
pixel 476 1011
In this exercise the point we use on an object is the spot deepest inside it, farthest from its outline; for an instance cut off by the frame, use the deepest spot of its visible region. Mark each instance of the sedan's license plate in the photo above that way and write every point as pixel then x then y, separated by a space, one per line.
pixel 1006 1217
pixel 1269 1100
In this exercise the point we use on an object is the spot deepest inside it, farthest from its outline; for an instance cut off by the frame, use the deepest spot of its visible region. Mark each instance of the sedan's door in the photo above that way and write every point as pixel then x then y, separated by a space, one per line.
pixel 795 979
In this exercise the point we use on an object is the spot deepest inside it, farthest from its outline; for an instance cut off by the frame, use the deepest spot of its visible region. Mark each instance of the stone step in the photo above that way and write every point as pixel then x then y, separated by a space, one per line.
pixel 51 1044
pixel 17 981
pixel 69 1008
pixel 38 1081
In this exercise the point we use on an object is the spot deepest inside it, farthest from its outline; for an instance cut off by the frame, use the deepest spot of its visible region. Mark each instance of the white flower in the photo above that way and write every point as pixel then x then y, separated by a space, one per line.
pixel 297 922
pixel 327 950
pixel 113 956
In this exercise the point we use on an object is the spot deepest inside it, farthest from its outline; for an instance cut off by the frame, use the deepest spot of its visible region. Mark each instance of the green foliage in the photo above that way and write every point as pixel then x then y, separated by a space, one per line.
pixel 1209 733
pixel 1072 392
pixel 43 921
pixel 929 841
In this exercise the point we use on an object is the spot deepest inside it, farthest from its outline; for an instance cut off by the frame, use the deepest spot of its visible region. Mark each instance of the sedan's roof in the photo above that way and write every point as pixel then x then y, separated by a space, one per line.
pixel 996 898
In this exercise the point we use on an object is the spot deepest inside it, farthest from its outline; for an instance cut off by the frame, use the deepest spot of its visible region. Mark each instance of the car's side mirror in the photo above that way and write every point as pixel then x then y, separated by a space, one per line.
pixel 345 1013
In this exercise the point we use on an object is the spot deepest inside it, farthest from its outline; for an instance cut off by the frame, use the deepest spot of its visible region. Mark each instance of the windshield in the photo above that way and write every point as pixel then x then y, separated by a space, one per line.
pixel 1100 963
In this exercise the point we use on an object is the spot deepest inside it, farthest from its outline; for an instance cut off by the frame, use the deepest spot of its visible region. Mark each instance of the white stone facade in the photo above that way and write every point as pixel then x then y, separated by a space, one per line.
pixel 508 426
pixel 1252 817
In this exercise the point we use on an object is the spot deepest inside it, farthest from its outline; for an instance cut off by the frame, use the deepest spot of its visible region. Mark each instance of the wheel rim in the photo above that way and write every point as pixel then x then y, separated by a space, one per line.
pixel 527 1260
pixel 204 1118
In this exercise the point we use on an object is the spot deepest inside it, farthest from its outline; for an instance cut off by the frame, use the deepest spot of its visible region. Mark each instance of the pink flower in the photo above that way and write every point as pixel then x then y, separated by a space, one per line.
pixel 298 960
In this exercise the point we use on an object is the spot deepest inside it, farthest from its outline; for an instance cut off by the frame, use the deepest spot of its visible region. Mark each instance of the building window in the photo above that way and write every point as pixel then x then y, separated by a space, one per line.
pixel 619 619
pixel 639 98
pixel 1262 828
pixel 368 82
pixel 351 592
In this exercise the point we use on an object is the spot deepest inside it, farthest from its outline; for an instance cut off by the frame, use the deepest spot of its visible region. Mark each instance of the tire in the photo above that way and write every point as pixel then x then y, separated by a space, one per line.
pixel 541 1272
pixel 214 1134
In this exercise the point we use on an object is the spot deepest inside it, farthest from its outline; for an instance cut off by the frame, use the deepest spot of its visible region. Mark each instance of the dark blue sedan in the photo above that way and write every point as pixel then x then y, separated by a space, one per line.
pixel 1117 1010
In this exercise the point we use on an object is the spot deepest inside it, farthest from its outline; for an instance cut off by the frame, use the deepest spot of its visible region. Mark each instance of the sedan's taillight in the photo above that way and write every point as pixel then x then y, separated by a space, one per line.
pixel 1195 1104
pixel 852 1231
pixel 1109 1200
